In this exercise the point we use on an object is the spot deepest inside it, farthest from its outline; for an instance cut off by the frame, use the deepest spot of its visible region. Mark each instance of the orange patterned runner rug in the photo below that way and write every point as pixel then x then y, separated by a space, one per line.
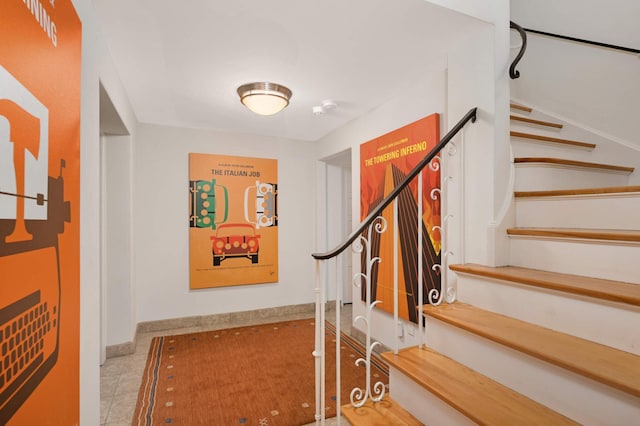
pixel 259 375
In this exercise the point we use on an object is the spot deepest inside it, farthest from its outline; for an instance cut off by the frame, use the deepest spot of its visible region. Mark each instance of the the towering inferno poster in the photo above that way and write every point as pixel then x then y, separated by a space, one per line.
pixel 40 48
pixel 384 163
pixel 233 220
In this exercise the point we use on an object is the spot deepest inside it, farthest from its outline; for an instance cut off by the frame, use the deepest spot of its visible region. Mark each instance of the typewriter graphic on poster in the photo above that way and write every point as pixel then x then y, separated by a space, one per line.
pixel 32 216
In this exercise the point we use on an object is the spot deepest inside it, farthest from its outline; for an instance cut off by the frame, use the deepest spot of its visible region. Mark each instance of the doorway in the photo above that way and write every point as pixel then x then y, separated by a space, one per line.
pixel 112 130
pixel 338 213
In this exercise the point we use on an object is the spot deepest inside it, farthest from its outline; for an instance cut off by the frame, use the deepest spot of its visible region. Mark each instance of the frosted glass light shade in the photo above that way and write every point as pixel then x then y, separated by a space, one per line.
pixel 264 98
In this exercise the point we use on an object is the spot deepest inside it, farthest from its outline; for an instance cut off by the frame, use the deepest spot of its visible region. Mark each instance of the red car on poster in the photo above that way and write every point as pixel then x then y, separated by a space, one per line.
pixel 235 240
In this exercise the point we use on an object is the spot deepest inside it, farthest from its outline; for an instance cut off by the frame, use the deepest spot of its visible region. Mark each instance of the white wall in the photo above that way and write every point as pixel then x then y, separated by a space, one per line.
pixel 119 294
pixel 480 66
pixel 96 67
pixel 612 21
pixel 497 14
pixel 483 190
pixel 593 87
pixel 161 227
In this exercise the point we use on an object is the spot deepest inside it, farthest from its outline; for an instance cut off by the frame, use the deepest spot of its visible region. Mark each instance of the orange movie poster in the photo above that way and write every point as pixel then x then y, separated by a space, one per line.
pixel 40 63
pixel 384 163
pixel 233 220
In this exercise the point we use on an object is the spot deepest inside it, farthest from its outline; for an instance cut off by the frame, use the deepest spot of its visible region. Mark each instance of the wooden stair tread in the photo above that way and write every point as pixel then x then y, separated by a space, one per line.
pixel 612 367
pixel 581 191
pixel 554 140
pixel 610 290
pixel 632 235
pixel 520 107
pixel 564 162
pixel 538 122
pixel 383 413
pixel 476 396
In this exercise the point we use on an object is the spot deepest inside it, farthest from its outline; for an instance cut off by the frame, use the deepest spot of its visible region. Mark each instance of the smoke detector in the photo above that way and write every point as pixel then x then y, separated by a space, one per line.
pixel 326 106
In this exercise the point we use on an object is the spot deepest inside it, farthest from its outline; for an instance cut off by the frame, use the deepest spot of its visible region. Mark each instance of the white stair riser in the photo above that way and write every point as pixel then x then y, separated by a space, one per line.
pixel 422 404
pixel 607 211
pixel 568 131
pixel 595 320
pixel 524 127
pixel 597 259
pixel 579 398
pixel 607 151
pixel 521 147
pixel 543 177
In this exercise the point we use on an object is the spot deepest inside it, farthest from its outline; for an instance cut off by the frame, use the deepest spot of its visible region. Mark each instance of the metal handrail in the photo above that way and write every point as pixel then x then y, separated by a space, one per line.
pixel 523 33
pixel 581 40
pixel 512 69
pixel 469 116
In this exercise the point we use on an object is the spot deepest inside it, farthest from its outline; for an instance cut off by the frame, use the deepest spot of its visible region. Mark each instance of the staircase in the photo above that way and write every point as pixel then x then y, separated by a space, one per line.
pixel 553 338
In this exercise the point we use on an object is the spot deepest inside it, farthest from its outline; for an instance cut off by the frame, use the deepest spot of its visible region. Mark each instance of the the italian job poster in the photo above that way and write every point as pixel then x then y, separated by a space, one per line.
pixel 233 220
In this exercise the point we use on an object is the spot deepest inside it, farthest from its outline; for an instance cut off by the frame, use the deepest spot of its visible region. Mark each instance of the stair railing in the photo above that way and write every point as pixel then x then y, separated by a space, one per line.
pixel 513 73
pixel 362 243
pixel 585 41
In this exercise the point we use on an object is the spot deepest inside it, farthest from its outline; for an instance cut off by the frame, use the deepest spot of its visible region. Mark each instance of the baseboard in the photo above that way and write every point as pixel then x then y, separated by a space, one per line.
pixel 122 349
pixel 223 319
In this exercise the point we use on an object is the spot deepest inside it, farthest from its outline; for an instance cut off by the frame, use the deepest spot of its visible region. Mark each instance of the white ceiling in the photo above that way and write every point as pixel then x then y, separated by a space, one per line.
pixel 182 61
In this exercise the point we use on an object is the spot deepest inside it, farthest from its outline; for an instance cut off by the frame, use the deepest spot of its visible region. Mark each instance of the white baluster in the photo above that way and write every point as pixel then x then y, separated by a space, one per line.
pixel 318 352
pixel 338 282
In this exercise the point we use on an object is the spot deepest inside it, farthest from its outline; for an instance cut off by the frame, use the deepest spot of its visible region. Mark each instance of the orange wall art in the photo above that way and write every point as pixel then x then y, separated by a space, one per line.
pixel 233 220
pixel 384 163
pixel 40 80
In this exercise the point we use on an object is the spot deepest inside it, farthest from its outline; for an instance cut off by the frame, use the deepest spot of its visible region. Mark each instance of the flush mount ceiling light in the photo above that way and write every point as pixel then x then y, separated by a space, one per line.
pixel 264 98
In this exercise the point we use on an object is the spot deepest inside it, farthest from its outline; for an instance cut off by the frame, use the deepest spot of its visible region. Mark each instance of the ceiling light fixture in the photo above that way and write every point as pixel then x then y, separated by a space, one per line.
pixel 264 98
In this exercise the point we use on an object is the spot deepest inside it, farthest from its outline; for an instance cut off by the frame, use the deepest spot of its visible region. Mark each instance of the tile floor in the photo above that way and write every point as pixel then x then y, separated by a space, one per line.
pixel 120 376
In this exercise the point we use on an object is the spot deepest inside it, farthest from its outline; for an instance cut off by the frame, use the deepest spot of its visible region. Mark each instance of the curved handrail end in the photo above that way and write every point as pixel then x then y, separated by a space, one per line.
pixel 513 73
